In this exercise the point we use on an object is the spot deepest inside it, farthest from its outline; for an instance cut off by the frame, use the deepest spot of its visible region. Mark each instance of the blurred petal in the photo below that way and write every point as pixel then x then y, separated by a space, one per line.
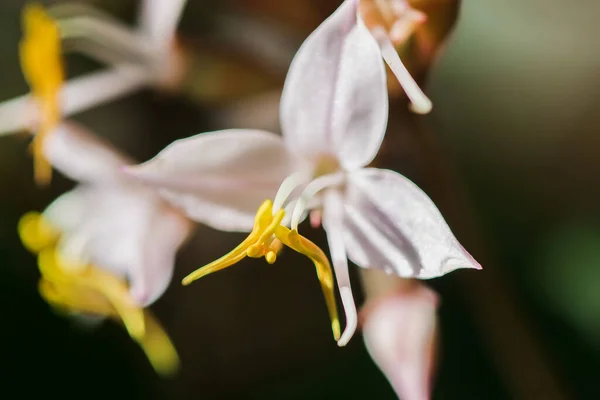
pixel 399 333
pixel 104 225
pixel 219 178
pixel 82 156
pixel 391 224
pixel 158 21
pixel 151 276
pixel 333 220
pixel 78 94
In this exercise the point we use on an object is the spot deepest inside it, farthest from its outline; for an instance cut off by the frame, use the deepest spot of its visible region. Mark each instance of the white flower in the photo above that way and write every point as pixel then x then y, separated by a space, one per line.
pixel 333 115
pixel 110 221
pixel 136 57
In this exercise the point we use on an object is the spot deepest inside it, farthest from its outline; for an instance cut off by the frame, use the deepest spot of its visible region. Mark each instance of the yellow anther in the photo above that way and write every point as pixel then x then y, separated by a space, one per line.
pixel 266 239
pixel 271 257
pixel 41 62
pixel 36 232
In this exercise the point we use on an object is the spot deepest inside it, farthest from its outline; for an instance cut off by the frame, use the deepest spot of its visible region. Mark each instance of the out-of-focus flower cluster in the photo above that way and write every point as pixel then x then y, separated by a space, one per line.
pixel 108 247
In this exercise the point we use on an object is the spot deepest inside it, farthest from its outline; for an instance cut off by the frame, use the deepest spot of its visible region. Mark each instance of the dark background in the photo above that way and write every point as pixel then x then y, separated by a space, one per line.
pixel 509 154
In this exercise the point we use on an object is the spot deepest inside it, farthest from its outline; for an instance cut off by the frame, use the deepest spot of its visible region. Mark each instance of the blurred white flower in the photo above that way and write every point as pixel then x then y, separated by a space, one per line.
pixel 333 114
pixel 137 57
pixel 111 221
pixel 108 247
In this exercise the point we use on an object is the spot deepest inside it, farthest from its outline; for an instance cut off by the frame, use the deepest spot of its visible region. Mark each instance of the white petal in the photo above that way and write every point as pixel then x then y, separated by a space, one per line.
pixel 333 223
pixel 219 178
pixel 105 225
pixel 399 333
pixel 100 36
pixel 309 89
pixel 391 224
pixel 86 92
pixel 67 210
pixel 78 94
pixel 80 155
pixel 360 110
pixel 158 21
pixel 151 276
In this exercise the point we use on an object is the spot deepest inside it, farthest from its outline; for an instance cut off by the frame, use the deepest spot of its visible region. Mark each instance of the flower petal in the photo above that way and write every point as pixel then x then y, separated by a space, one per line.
pixel 335 98
pixel 360 110
pixel 391 224
pixel 78 94
pixel 104 225
pixel 151 276
pixel 158 21
pixel 82 156
pixel 219 178
pixel 399 333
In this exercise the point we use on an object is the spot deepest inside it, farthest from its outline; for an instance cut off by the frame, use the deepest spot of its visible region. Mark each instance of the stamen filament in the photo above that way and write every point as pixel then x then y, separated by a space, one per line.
pixel 420 103
pixel 115 291
pixel 266 239
pixel 311 190
pixel 261 222
pixel 302 245
pixel 286 188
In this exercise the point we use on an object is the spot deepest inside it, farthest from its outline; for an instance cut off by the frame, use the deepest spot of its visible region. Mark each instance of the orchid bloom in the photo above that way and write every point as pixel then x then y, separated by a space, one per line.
pixel 41 62
pixel 108 247
pixel 333 114
pixel 399 331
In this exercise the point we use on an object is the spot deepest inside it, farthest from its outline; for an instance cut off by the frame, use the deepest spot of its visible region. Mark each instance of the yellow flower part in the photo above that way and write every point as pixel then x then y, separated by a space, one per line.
pixel 41 62
pixel 266 240
pixel 91 290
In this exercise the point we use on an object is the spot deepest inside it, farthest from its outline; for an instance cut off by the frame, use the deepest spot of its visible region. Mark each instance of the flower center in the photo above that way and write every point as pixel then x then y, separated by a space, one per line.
pixel 41 63
pixel 91 290
pixel 266 240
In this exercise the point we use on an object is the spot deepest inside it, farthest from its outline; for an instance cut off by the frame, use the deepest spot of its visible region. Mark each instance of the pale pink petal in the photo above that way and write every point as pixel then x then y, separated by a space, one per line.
pixel 123 229
pixel 393 225
pixel 100 36
pixel 333 223
pixel 399 333
pixel 68 210
pixel 83 93
pixel 158 20
pixel 78 94
pixel 309 92
pixel 151 276
pixel 219 178
pixel 105 225
pixel 79 154
pixel 360 108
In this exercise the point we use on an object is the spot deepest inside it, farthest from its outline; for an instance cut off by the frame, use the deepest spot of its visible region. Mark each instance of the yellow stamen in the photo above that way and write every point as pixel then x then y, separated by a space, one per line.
pixel 266 239
pixel 41 63
pixel 90 290
pixel 36 233
pixel 95 280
